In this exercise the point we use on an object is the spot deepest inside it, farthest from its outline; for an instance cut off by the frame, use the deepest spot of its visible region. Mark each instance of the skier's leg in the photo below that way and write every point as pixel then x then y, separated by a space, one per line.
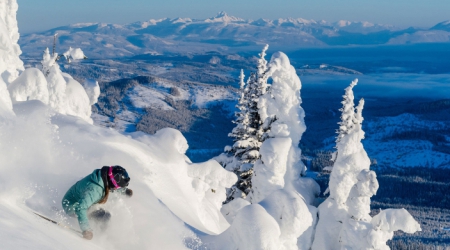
pixel 101 216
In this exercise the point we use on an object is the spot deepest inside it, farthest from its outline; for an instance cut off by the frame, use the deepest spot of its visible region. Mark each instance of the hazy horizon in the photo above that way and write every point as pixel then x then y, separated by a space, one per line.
pixel 33 16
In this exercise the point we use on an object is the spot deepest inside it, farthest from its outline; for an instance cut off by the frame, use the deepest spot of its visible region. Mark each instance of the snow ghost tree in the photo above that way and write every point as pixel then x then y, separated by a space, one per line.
pixel 74 54
pixel 277 184
pixel 282 117
pixel 66 95
pixel 10 63
pixel 345 222
pixel 55 80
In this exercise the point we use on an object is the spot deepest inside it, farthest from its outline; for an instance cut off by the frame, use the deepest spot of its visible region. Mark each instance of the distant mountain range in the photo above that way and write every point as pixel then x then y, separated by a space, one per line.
pixel 222 33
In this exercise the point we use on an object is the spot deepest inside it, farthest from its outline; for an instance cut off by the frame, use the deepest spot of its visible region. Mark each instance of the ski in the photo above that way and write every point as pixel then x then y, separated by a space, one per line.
pixel 58 223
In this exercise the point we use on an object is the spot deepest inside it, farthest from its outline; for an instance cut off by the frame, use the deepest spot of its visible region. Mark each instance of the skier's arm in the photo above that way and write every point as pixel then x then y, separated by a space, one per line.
pixel 91 196
pixel 83 219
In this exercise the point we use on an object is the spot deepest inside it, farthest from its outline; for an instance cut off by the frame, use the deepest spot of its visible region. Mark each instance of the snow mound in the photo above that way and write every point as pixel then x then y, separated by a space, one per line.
pixel 194 192
pixel 391 220
pixel 294 219
pixel 30 85
pixel 231 209
pixel 51 151
pixel 252 229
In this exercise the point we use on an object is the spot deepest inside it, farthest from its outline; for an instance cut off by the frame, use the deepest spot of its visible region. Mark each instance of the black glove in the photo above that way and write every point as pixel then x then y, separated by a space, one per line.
pixel 129 192
pixel 88 235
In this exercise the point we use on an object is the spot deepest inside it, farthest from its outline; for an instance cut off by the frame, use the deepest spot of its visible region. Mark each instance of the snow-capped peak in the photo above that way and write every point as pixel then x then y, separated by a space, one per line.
pixel 222 16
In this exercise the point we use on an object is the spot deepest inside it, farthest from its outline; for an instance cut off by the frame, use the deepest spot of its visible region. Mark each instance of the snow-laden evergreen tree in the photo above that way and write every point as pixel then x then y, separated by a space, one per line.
pixel 242 130
pixel 347 112
pixel 344 220
pixel 237 157
pixel 248 132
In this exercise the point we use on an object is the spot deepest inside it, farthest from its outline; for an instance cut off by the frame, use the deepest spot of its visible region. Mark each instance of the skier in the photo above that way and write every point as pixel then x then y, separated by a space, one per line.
pixel 94 189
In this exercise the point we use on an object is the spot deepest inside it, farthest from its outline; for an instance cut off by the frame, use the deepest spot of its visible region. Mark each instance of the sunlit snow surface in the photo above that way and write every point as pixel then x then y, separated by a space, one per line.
pixel 49 154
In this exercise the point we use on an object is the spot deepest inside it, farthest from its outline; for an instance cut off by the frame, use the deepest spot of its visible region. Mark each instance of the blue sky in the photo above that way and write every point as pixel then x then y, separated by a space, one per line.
pixel 35 15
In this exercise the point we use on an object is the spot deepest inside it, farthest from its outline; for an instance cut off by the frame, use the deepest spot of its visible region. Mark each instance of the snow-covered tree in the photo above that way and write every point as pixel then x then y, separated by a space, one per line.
pixel 242 130
pixel 237 158
pixel 66 95
pixel 347 112
pixel 344 221
pixel 248 133
pixel 277 184
pixel 282 116
pixel 56 83
pixel 74 54
pixel 10 63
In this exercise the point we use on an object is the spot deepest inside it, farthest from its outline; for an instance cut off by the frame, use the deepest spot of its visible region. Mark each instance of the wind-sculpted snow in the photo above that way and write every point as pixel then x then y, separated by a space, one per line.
pixel 293 216
pixel 51 151
pixel 269 172
pixel 252 229
pixel 30 85
pixel 45 150
pixel 391 220
pixel 283 103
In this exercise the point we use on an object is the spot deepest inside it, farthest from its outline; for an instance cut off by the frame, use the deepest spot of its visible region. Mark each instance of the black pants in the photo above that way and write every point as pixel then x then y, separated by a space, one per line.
pixel 100 217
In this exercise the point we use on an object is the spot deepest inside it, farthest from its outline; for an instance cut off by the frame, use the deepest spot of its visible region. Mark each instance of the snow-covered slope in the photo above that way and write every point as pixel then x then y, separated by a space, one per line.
pixel 389 150
pixel 161 94
pixel 45 149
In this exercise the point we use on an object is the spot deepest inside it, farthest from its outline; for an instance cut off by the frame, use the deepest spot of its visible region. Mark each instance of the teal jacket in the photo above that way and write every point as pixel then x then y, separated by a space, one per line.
pixel 83 195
